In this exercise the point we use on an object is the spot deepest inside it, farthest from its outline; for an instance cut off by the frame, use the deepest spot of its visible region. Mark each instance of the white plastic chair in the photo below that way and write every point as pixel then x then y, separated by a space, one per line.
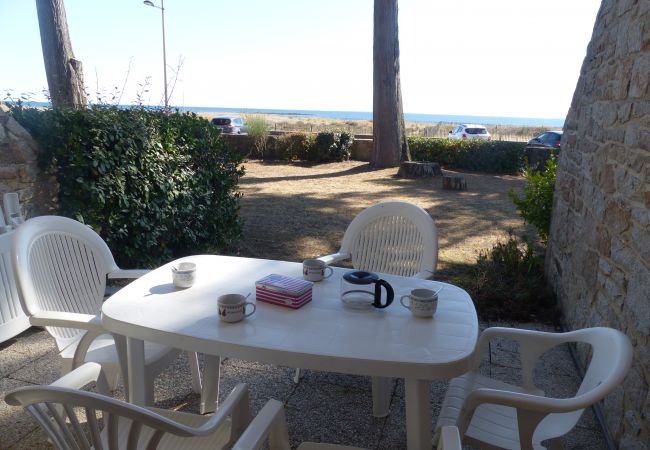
pixel 61 268
pixel 13 215
pixel 123 425
pixel 492 413
pixel 270 427
pixel 397 238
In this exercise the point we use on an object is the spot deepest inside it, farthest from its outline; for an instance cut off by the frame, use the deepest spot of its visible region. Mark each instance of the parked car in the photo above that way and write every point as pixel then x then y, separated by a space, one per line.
pixel 470 131
pixel 548 139
pixel 230 124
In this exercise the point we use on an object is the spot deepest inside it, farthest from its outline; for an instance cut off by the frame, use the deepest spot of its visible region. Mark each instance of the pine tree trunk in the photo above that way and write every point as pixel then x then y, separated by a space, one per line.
pixel 64 72
pixel 389 134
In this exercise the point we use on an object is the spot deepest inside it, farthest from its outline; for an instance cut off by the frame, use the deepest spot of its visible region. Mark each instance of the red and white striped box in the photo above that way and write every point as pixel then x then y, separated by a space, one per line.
pixel 283 290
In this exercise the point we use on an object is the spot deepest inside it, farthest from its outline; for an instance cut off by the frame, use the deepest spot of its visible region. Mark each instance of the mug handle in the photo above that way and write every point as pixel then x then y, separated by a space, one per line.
pixel 401 300
pixel 254 308
pixel 390 294
pixel 325 270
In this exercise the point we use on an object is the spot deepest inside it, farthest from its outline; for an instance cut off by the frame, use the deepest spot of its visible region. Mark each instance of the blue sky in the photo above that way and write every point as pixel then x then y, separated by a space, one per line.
pixel 517 58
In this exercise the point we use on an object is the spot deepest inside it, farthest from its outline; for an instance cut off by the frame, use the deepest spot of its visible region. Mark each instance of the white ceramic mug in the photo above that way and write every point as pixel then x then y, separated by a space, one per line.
pixel 184 274
pixel 421 302
pixel 232 307
pixel 315 270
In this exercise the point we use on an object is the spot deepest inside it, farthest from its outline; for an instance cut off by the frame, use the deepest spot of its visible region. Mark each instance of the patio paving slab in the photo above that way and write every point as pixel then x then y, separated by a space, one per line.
pixel 323 406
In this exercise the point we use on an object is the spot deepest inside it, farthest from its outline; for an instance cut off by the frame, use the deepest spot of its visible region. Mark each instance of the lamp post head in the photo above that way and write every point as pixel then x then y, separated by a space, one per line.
pixel 152 4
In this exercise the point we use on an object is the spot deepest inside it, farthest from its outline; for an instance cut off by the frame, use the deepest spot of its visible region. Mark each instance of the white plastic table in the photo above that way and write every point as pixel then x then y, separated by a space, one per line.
pixel 322 335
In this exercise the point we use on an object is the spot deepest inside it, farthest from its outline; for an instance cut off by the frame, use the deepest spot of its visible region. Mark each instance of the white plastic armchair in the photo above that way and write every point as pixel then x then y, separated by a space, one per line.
pixel 270 427
pixel 493 413
pixel 61 269
pixel 397 238
pixel 123 425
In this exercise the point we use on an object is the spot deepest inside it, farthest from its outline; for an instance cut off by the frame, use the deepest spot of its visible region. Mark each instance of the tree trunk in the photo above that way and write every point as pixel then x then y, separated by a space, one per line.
pixel 389 135
pixel 64 73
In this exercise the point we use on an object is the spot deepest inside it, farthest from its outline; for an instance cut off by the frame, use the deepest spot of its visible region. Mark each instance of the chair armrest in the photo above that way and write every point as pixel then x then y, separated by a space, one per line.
pixel 334 257
pixel 269 423
pixel 449 439
pixel 87 373
pixel 127 273
pixel 87 322
pixel 424 275
pixel 532 344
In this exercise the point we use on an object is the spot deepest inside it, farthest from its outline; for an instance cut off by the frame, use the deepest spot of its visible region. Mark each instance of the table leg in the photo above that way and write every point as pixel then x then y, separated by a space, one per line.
pixel 381 393
pixel 210 385
pixel 136 381
pixel 418 414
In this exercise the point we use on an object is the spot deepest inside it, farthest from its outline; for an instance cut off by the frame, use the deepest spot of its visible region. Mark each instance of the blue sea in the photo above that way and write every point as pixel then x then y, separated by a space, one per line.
pixel 408 117
pixel 367 115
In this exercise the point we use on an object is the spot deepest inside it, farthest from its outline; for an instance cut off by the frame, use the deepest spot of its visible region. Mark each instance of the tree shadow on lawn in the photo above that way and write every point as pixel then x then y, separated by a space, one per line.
pixel 298 217
pixel 302 165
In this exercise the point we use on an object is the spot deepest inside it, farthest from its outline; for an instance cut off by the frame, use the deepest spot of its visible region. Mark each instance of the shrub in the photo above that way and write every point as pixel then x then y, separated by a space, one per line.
pixel 293 146
pixel 258 130
pixel 483 156
pixel 154 185
pixel 331 145
pixel 508 283
pixel 537 202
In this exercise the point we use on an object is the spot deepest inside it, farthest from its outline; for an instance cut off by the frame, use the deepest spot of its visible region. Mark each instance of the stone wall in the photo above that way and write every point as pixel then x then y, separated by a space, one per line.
pixel 599 249
pixel 19 171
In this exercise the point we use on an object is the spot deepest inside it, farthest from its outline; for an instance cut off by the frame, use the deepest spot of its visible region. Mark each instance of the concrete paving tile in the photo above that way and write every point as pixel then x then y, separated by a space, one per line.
pixel 11 361
pixel 256 365
pixel 584 439
pixel 324 412
pixel 173 384
pixel 15 423
pixel 43 370
pixel 36 440
pixel 262 384
pixel 35 342
pixel 362 383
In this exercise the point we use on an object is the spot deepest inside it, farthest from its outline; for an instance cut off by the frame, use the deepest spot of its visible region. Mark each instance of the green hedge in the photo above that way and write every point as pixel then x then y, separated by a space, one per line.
pixel 481 156
pixel 154 185
pixel 325 146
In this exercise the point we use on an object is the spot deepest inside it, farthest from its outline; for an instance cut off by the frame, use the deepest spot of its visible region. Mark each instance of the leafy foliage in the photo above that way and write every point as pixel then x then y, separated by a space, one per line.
pixel 293 146
pixel 258 130
pixel 154 185
pixel 331 145
pixel 508 283
pixel 536 204
pixel 483 156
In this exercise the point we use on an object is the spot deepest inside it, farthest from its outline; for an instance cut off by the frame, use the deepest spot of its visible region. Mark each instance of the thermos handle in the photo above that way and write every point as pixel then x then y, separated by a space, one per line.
pixel 389 294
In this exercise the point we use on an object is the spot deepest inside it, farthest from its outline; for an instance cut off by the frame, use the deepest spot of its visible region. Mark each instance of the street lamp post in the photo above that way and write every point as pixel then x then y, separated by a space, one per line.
pixel 162 12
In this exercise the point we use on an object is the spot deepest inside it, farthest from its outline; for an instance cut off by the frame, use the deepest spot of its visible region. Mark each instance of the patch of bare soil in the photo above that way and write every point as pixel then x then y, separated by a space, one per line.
pixel 293 211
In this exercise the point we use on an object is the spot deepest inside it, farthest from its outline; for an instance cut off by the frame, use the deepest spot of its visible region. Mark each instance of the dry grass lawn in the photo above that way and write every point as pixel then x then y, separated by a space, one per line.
pixel 293 211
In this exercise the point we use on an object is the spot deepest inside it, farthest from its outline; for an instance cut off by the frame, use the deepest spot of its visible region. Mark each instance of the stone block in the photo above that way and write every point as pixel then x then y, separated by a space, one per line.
pixel 617 216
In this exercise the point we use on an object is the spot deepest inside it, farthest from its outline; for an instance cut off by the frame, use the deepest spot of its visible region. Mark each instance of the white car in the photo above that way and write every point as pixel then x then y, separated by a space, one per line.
pixel 469 131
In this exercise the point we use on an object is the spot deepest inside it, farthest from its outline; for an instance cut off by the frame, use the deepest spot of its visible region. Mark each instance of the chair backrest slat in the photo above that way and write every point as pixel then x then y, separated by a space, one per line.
pixel 38 411
pixel 113 421
pixel 79 432
pixel 134 435
pixel 95 432
pixel 154 440
pixel 56 414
